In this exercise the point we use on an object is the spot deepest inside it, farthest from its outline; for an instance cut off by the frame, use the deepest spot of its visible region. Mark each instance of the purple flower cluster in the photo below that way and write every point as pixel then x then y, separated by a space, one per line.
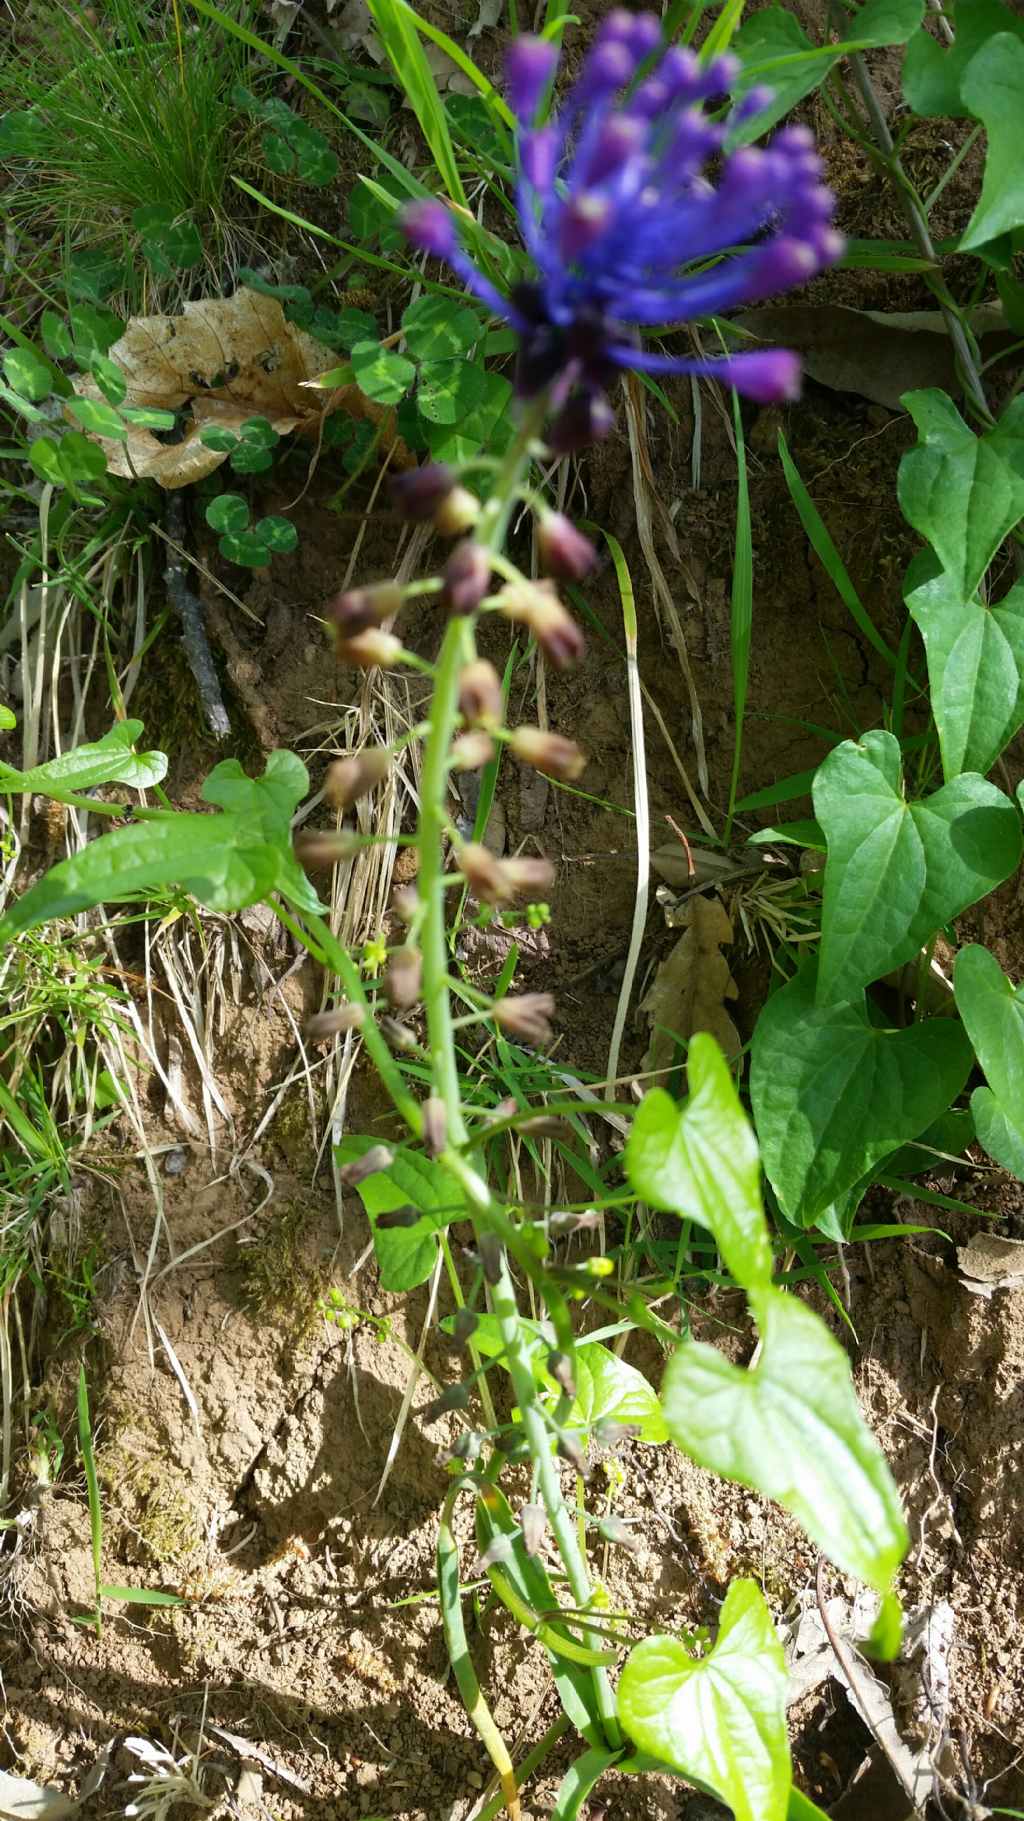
pixel 621 222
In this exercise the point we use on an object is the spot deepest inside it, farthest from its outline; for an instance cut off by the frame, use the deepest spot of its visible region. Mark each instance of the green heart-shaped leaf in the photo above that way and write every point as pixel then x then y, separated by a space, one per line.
pixel 962 492
pixel 700 1160
pixel 720 1719
pixel 975 666
pixel 833 1093
pixel 790 1426
pixel 899 871
pixel 992 88
pixel 933 71
pixel 993 1011
pixel 405 1255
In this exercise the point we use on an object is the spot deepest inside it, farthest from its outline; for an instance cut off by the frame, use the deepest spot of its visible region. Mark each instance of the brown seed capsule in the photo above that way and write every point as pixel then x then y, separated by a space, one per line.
pixel 321 847
pixel 393 1219
pixel 545 1125
pixel 533 1523
pixel 499 881
pixel 560 1368
pixel 500 1549
pixel 526 1015
pixel 405 903
pixel 355 609
pixel 330 1024
pixel 418 492
pixel 453 1397
pixel 464 1326
pixel 370 648
pixel 550 753
pixel 349 779
pixel 480 697
pixel 471 751
pixel 458 512
pixel 435 1126
pixel 536 606
pixel 403 978
pixel 570 1448
pixel 616 1530
pixel 564 551
pixel 398 1035
pixel 467 577
pixel 491 1257
pixel 378 1157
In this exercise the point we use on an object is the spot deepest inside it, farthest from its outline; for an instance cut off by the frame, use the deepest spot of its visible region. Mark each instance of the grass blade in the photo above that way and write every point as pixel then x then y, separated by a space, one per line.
pixel 742 618
pixel 828 555
pixel 398 34
pixel 93 1492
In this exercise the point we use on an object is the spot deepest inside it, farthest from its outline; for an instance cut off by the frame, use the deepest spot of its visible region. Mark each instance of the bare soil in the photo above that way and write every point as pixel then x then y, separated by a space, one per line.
pixel 307 1624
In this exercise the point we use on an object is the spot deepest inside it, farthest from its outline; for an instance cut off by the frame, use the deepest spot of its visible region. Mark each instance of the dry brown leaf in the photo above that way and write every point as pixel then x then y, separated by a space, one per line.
pixel 879 354
pixel 227 359
pixel 691 986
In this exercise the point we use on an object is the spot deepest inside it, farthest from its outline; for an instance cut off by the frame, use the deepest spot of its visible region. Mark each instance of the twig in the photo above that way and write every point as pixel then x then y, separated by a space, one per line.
pixel 193 631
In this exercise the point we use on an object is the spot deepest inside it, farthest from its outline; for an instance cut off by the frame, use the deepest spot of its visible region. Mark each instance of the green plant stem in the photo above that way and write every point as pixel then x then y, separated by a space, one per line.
pixel 889 159
pixel 456 650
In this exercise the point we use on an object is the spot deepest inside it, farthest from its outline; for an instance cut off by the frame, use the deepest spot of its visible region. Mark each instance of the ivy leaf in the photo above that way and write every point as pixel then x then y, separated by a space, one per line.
pixel 227 861
pixel 775 51
pixel 405 1255
pixel 380 374
pixel 833 1093
pixel 993 1012
pixel 791 1427
pixel 962 492
pixel 610 1390
pixel 975 666
pixel 106 761
pixel 700 1160
pixel 720 1720
pixel 932 73
pixel 992 89
pixel 898 871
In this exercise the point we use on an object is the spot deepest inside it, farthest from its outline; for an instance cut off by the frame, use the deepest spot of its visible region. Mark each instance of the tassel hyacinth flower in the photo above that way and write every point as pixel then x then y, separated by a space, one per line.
pixel 626 232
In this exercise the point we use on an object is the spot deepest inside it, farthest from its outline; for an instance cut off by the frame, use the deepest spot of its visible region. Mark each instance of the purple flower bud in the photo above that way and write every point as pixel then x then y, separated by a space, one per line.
pixel 720 75
pixel 464 1326
pixel 533 1524
pixel 371 649
pixel 316 848
pixel 403 978
pixel 429 227
pixel 467 577
pixel 394 1219
pixel 349 779
pixel 526 1016
pixel 458 512
pixel 564 551
pixel 769 378
pixel 357 608
pixel 435 1127
pixel 331 1024
pixel 550 753
pixel 418 492
pixel 378 1157
pixel 398 1035
pixel 651 98
pixel 620 138
pixel 480 695
pixel 644 34
pixel 585 418
pixel 617 27
pixel 608 66
pixel 680 69
pixel 537 155
pixel 530 64
pixel 753 102
pixel 794 139
pixel 584 219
